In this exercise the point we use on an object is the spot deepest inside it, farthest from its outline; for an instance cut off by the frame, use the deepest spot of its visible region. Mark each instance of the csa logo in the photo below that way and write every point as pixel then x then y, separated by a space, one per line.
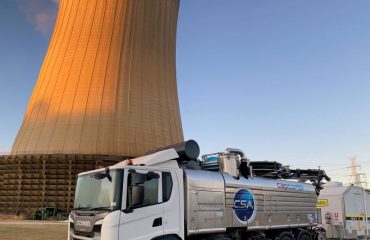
pixel 244 206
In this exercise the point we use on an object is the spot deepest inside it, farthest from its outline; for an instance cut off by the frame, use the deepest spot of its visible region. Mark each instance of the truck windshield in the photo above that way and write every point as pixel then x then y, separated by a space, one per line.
pixel 99 191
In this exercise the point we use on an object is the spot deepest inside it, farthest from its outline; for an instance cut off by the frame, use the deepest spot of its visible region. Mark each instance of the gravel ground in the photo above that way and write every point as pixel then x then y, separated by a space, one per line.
pixel 32 230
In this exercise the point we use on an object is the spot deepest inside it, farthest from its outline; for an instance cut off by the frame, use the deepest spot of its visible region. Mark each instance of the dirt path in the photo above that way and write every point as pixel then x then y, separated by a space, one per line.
pixel 30 230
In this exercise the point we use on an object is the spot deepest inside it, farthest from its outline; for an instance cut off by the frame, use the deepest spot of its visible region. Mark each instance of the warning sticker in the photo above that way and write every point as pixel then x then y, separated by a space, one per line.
pixel 322 203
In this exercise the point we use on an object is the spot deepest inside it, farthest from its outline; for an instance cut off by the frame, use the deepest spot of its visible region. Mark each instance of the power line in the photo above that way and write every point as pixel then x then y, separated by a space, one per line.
pixel 357 178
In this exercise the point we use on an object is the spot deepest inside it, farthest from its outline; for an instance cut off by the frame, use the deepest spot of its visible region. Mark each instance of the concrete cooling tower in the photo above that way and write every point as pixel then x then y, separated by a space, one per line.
pixel 106 91
pixel 108 82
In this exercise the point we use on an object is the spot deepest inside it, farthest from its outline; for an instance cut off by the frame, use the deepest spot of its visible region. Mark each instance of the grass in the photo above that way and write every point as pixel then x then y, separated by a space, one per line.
pixel 32 231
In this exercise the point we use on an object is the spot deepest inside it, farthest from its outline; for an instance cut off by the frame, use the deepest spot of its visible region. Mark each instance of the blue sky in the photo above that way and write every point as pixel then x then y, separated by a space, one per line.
pixel 284 80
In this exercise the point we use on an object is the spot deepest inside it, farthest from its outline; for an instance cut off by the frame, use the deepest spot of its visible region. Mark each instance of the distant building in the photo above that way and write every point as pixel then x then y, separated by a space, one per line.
pixel 345 211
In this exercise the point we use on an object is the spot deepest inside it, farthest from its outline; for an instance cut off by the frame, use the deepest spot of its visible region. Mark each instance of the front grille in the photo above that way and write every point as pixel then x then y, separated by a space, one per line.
pixel 73 238
pixel 96 229
pixel 83 234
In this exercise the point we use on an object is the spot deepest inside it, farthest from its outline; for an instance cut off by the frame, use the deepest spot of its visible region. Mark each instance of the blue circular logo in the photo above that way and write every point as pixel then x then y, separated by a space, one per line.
pixel 244 205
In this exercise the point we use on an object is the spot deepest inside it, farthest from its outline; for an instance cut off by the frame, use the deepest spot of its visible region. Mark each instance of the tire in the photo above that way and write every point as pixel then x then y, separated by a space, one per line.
pixel 320 235
pixel 304 235
pixel 286 236
pixel 219 238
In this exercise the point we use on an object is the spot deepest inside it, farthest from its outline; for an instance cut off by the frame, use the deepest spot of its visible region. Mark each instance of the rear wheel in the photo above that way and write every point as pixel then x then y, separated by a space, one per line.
pixel 219 238
pixel 286 236
pixel 320 234
pixel 304 235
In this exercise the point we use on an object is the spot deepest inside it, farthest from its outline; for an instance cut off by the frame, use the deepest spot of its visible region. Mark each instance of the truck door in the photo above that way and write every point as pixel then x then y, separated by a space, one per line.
pixel 145 220
pixel 173 212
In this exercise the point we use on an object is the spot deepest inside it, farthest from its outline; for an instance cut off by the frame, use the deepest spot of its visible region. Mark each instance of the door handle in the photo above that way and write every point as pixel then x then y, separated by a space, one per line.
pixel 157 222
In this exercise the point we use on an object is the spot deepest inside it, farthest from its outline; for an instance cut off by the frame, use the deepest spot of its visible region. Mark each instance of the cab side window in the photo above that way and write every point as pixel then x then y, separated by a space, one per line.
pixel 150 194
pixel 150 190
pixel 166 186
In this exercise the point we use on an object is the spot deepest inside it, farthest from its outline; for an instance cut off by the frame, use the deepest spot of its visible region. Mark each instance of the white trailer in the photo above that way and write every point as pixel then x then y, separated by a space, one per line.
pixel 345 211
pixel 168 195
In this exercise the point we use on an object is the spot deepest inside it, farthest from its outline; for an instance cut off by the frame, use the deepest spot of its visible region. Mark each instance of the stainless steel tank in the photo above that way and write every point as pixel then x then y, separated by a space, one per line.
pixel 216 201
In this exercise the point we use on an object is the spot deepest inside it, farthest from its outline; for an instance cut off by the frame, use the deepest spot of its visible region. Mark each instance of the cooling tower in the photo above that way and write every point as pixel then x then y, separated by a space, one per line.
pixel 106 91
pixel 108 81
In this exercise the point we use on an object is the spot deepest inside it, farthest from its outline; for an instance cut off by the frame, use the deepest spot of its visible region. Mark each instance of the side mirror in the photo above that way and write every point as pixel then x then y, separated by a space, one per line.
pixel 136 192
pixel 137 197
pixel 101 176
pixel 151 175
pixel 137 178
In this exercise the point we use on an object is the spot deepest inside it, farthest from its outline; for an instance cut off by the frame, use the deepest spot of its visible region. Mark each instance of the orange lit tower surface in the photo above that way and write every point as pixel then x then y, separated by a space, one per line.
pixel 107 87
pixel 108 82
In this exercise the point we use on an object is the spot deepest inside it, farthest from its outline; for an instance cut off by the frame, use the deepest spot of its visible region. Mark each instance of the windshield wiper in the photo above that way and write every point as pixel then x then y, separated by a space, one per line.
pixel 80 208
pixel 100 208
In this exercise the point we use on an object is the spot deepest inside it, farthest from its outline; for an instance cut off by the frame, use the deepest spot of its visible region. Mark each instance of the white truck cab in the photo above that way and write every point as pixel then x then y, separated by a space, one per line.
pixel 136 199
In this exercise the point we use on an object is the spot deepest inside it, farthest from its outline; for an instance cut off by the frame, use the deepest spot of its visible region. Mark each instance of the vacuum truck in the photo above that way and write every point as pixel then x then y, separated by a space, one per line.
pixel 170 194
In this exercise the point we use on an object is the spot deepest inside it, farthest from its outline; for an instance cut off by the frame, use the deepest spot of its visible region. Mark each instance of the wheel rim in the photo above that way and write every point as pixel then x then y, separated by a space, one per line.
pixel 320 236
